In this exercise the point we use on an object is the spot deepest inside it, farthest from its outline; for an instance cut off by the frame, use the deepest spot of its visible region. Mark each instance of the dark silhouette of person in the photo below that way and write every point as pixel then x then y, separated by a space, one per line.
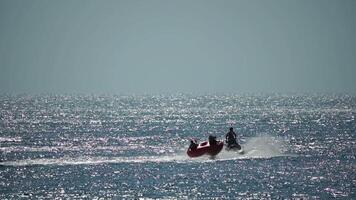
pixel 193 144
pixel 231 136
pixel 212 140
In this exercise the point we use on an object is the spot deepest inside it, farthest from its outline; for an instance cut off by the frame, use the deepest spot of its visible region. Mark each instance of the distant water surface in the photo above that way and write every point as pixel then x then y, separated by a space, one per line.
pixel 88 146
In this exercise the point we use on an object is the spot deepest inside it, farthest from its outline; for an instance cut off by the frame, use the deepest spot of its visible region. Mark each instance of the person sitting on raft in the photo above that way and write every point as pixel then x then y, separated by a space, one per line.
pixel 193 144
pixel 231 137
pixel 212 140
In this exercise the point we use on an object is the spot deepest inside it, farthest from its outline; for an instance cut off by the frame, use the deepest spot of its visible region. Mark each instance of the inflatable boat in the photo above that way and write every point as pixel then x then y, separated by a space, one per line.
pixel 205 148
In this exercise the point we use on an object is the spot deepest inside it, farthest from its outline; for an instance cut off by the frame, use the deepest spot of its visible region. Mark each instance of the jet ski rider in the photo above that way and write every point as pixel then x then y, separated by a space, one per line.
pixel 231 137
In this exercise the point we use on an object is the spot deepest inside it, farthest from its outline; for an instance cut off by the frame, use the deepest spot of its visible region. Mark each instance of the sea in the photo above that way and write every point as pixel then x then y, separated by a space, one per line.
pixel 86 146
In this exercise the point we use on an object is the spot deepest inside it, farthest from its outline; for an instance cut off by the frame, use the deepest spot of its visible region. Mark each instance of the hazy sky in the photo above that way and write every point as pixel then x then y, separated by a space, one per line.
pixel 152 46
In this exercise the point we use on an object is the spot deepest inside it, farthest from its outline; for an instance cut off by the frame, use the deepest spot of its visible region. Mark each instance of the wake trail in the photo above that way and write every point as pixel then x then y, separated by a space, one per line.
pixel 258 147
pixel 254 148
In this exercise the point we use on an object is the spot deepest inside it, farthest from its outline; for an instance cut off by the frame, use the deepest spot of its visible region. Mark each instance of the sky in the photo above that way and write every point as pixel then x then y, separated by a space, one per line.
pixel 185 46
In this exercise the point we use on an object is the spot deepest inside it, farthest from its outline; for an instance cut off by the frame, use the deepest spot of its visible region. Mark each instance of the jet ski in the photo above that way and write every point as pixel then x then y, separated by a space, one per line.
pixel 233 146
pixel 211 148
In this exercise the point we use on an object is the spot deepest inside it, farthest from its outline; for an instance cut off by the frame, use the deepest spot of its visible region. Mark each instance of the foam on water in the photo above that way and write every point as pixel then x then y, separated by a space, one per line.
pixel 264 147
pixel 257 147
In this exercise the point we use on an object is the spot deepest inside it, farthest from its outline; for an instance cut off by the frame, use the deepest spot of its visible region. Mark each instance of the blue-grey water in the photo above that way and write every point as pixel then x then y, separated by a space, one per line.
pixel 90 147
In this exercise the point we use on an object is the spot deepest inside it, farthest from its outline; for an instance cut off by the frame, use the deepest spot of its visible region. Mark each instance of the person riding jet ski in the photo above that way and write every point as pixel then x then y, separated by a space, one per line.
pixel 231 136
pixel 231 139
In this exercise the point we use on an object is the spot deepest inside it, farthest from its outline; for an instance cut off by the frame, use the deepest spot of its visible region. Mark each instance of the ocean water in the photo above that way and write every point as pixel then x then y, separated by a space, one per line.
pixel 132 147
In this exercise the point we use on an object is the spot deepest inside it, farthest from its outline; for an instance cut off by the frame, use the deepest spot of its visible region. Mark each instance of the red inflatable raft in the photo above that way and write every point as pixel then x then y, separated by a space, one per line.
pixel 206 148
